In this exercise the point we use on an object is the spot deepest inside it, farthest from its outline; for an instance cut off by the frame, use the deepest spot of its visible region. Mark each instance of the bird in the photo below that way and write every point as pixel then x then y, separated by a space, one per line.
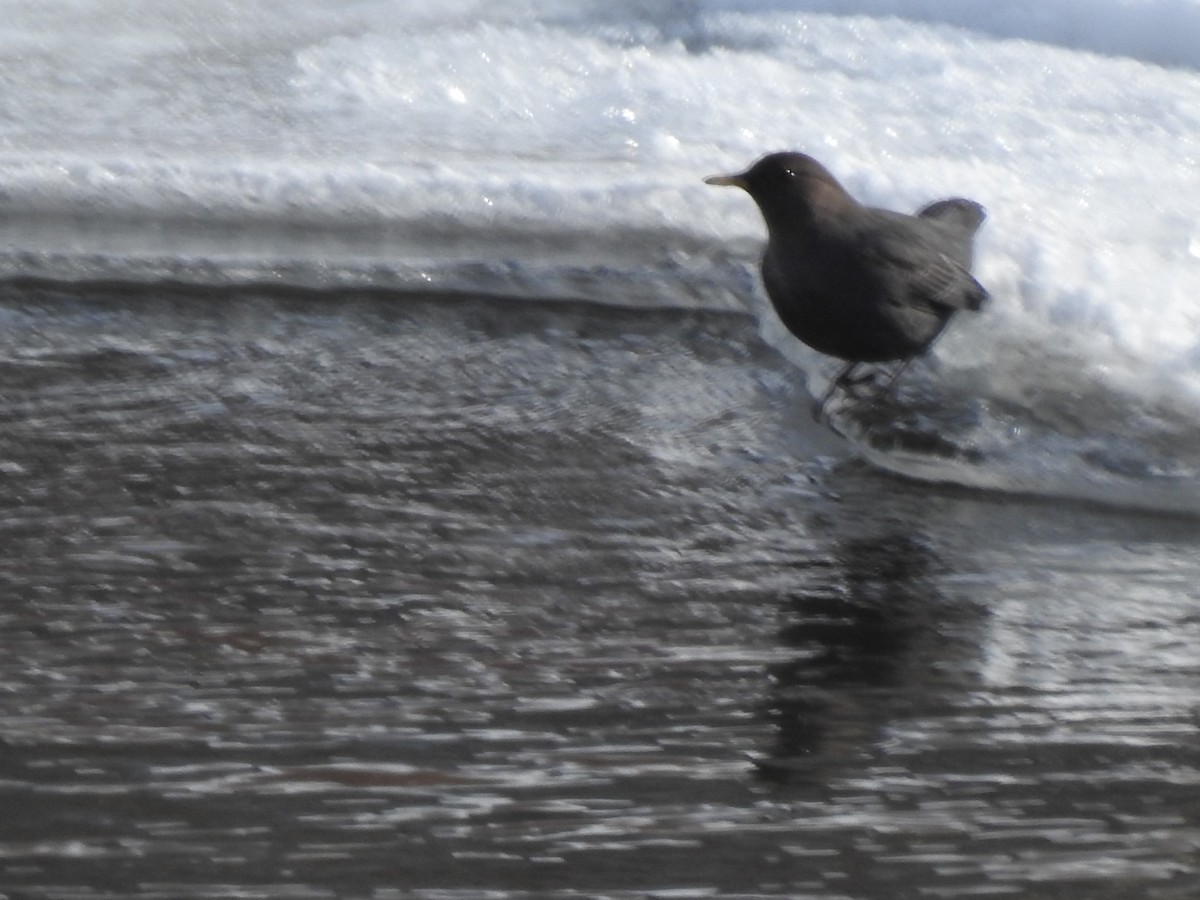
pixel 859 283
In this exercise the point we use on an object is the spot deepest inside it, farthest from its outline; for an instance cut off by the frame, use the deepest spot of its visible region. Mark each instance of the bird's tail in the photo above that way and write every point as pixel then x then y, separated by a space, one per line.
pixel 962 215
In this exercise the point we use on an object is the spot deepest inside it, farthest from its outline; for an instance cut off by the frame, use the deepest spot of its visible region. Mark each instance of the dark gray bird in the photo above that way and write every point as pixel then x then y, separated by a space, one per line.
pixel 865 285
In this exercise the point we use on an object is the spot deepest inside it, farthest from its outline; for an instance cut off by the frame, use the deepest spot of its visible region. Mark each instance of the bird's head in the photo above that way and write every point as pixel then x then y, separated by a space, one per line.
pixel 789 188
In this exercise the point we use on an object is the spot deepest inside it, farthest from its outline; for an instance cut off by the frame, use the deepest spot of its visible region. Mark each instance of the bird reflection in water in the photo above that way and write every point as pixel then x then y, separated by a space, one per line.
pixel 866 634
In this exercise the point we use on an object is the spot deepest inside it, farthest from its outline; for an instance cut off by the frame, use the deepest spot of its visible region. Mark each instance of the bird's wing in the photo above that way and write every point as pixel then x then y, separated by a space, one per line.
pixel 926 276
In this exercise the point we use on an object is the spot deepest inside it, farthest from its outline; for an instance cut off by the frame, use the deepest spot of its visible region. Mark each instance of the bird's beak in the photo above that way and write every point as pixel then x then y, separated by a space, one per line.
pixel 728 181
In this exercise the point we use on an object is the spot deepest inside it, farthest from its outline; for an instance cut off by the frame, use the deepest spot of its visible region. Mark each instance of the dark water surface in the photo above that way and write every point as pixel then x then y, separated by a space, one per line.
pixel 396 597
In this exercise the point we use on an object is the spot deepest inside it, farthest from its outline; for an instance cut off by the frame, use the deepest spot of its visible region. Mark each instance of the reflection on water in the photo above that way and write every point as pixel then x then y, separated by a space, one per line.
pixel 856 634
pixel 390 597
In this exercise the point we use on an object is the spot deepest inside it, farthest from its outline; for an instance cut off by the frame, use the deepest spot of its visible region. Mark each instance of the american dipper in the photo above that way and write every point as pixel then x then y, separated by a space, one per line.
pixel 865 285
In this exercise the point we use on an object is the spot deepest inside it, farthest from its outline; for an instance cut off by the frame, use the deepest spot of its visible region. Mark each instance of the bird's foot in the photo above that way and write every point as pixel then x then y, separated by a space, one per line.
pixel 874 388
pixel 850 385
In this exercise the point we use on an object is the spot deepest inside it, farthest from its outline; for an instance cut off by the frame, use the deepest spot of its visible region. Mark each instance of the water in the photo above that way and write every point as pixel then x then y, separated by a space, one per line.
pixel 557 150
pixel 416 597
pixel 406 492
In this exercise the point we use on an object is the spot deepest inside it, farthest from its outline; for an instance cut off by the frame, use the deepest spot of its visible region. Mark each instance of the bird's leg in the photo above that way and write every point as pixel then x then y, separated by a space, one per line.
pixel 852 384
pixel 891 382
pixel 843 379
